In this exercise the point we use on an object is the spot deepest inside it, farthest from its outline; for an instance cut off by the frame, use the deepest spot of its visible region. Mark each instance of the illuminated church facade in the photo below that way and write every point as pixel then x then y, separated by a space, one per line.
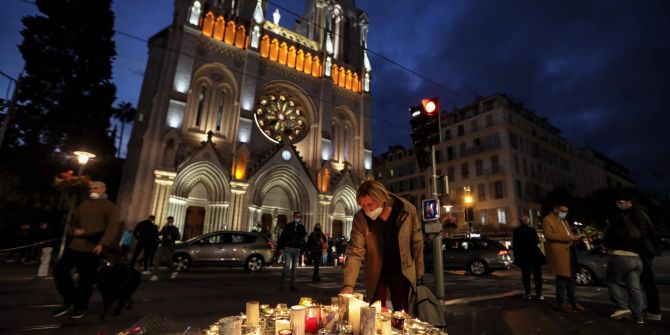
pixel 242 121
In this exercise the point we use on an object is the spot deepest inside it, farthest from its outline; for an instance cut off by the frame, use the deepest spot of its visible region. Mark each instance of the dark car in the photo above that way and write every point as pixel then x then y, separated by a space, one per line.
pixel 477 256
pixel 224 248
pixel 591 265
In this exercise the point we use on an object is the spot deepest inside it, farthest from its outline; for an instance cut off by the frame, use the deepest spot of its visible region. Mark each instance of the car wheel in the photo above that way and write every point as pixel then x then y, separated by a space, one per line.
pixel 181 262
pixel 478 267
pixel 584 276
pixel 254 263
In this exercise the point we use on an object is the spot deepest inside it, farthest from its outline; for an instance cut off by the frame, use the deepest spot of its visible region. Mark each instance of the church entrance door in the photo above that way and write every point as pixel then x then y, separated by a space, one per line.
pixel 195 221
pixel 337 228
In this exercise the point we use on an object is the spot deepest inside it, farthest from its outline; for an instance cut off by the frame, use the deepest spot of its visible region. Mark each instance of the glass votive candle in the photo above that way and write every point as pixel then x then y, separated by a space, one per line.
pixel 343 327
pixel 312 318
pixel 385 324
pixel 298 316
pixel 285 332
pixel 304 301
pixel 398 320
pixel 253 313
pixel 328 316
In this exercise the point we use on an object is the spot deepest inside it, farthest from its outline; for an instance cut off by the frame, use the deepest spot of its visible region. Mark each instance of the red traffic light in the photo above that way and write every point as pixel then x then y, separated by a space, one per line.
pixel 429 105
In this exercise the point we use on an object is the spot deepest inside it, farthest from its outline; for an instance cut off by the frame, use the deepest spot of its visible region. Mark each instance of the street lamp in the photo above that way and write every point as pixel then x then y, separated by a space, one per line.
pixel 83 157
pixel 468 203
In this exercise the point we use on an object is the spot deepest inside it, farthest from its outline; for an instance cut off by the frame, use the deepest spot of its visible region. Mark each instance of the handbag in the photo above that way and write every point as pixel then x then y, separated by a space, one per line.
pixel 423 304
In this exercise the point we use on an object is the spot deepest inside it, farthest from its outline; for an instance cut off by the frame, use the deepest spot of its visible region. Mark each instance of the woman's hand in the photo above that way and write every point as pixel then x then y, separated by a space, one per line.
pixel 347 290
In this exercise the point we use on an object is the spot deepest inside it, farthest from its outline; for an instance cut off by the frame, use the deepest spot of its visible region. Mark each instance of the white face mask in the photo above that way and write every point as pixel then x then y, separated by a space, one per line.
pixel 94 195
pixel 375 213
pixel 562 215
pixel 297 220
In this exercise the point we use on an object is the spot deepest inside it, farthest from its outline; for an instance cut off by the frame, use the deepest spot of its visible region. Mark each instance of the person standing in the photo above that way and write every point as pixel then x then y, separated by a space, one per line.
pixel 168 235
pixel 95 227
pixel 386 237
pixel 562 256
pixel 650 247
pixel 125 244
pixel 315 243
pixel 622 240
pixel 528 256
pixel 291 242
pixel 146 234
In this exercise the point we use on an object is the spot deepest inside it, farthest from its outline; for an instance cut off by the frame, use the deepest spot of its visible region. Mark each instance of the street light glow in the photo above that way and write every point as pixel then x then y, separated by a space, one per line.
pixel 83 156
pixel 468 199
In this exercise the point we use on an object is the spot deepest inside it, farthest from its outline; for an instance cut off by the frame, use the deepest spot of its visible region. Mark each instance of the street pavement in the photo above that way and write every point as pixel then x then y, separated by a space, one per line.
pixel 474 305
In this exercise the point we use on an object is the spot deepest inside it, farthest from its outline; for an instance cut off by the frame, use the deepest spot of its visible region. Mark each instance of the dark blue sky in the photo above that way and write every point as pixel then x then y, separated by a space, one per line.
pixel 598 70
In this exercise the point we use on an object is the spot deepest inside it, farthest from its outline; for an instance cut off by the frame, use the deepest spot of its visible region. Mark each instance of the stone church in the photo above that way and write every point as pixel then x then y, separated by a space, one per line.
pixel 242 121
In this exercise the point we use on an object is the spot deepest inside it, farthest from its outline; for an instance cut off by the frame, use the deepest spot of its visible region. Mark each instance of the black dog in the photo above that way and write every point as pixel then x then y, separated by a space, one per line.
pixel 117 282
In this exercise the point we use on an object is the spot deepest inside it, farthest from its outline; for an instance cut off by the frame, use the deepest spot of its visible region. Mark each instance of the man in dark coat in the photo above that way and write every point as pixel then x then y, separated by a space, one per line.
pixel 528 257
pixel 315 243
pixel 146 234
pixel 291 242
pixel 650 247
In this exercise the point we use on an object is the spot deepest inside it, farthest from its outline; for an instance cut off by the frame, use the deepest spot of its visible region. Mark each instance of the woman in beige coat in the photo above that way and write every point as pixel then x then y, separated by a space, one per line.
pixel 386 236
pixel 561 256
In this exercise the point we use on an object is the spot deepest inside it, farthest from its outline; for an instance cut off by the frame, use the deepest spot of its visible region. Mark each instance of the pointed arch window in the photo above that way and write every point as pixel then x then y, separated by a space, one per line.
pixel 194 15
pixel 201 106
pixel 219 111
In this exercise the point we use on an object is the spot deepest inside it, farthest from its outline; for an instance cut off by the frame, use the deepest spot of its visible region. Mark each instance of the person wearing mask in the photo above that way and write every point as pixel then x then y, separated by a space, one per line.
pixel 94 229
pixel 622 240
pixel 528 256
pixel 291 242
pixel 385 236
pixel 167 237
pixel 650 247
pixel 315 243
pixel 146 234
pixel 562 256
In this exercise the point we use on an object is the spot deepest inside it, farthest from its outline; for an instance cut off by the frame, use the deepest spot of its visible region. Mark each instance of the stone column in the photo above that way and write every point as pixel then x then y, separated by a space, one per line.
pixel 215 217
pixel 235 214
pixel 163 181
pixel 323 213
pixel 177 209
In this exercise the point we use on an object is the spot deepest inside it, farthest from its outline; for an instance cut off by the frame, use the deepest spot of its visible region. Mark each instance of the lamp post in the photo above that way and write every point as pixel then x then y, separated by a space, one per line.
pixel 82 157
pixel 468 203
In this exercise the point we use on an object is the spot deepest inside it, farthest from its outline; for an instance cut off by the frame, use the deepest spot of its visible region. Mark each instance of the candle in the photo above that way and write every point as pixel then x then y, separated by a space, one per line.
pixel 386 325
pixel 355 314
pixel 328 316
pixel 298 319
pixel 252 313
pixel 343 306
pixel 368 318
pixel 305 301
pixel 311 324
pixel 281 324
pixel 285 332
pixel 358 295
pixel 398 321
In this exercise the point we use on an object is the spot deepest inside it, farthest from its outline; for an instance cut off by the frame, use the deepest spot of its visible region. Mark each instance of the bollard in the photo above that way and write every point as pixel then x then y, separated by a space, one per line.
pixel 45 260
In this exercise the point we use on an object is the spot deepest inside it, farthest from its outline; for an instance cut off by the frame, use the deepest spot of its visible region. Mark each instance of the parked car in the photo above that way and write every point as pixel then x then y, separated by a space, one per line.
pixel 224 248
pixel 591 266
pixel 477 256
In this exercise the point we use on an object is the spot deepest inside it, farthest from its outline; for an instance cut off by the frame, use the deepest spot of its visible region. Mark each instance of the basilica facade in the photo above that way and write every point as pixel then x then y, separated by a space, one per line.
pixel 242 121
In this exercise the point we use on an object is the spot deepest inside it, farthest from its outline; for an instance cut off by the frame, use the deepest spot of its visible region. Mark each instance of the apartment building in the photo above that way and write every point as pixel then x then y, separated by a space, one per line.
pixel 505 158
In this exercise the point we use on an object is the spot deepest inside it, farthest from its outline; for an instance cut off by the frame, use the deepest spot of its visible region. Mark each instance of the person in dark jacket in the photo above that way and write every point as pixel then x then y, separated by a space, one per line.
pixel 315 243
pixel 94 229
pixel 168 235
pixel 291 242
pixel 650 247
pixel 528 256
pixel 624 268
pixel 146 234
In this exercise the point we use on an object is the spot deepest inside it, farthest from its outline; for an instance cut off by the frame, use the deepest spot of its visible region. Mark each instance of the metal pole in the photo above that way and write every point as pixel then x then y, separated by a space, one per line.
pixel 438 264
pixel 66 229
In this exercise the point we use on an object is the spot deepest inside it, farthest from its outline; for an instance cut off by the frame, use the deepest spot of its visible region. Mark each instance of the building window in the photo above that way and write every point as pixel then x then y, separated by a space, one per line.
pixel 473 125
pixel 438 158
pixel 219 113
pixel 482 216
pixel 461 130
pixel 464 170
pixel 201 106
pixel 447 134
pixel 194 15
pixel 514 140
pixel 516 164
pixel 525 167
pixel 461 149
pixel 498 190
pixel 450 153
pixel 489 120
pixel 495 164
pixel 481 192
pixel 479 167
pixel 519 188
pixel 502 217
pixel 450 174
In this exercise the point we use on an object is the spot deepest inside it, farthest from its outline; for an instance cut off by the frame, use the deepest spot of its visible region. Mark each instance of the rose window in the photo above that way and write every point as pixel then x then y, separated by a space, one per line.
pixel 277 116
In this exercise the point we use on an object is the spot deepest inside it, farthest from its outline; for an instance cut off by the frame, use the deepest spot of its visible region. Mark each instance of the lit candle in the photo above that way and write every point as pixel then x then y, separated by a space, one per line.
pixel 305 301
pixel 312 318
pixel 343 306
pixel 281 324
pixel 355 314
pixel 368 318
pixel 298 319
pixel 252 313
pixel 386 325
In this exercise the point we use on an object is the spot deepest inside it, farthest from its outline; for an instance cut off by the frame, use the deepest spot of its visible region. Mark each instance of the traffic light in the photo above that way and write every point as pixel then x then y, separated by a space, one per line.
pixel 430 107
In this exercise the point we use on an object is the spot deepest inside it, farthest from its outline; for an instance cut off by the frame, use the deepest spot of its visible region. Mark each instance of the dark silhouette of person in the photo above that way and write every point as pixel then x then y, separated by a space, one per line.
pixel 528 256
pixel 146 234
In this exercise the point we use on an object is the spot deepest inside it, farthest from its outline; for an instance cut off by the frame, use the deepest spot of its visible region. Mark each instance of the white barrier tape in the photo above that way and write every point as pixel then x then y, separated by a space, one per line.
pixel 29 245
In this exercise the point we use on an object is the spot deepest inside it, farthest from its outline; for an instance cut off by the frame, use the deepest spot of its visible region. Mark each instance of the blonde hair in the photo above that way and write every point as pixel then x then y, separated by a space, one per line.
pixel 98 184
pixel 374 190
